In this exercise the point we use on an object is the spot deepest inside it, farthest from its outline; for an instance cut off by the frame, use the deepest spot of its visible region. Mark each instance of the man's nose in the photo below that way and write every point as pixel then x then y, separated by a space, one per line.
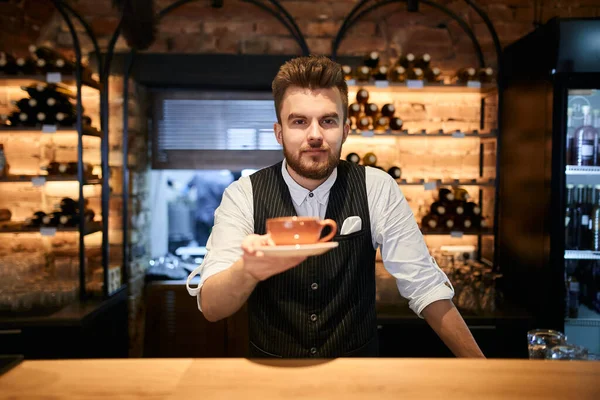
pixel 314 132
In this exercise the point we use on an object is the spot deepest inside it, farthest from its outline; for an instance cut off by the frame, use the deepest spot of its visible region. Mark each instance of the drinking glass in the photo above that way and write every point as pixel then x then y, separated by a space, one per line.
pixel 540 340
pixel 567 352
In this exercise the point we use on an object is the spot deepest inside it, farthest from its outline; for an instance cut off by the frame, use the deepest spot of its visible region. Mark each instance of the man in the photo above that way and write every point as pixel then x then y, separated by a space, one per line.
pixel 321 306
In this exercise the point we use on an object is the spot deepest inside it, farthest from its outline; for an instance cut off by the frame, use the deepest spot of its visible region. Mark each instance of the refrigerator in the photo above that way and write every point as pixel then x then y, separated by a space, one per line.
pixel 548 246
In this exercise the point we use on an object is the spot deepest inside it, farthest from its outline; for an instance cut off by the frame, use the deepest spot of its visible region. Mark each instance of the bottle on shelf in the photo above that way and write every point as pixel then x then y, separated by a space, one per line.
pixel 26 66
pixel 572 219
pixel 370 159
pixel 423 61
pixel 362 96
pixel 371 110
pixel 364 123
pixel 381 123
pixel 347 70
pixel 430 221
pixel 595 219
pixel 8 64
pixel 486 75
pixel 472 209
pixel 433 75
pixel 354 110
pixel 585 140
pixel 407 61
pixel 465 75
pixel 461 194
pixel 388 110
pixel 380 73
pixel 371 60
pixel 437 208
pixel 584 211
pixel 363 73
pixel 596 126
pixel 449 222
pixel 396 124
pixel 353 158
pixel 44 53
pixel 25 105
pixel 397 74
pixel 570 136
pixel 395 172
pixel 415 74
pixel 466 223
pixel 573 297
pixel 445 196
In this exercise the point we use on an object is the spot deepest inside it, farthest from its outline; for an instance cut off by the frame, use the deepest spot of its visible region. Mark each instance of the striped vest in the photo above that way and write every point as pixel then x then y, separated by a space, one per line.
pixel 324 307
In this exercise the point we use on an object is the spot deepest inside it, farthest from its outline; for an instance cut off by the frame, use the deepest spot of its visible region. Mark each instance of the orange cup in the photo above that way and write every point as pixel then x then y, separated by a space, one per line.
pixel 299 230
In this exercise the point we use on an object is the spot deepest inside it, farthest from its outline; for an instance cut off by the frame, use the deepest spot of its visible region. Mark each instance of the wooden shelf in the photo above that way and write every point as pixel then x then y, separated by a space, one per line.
pixel 487 231
pixel 25 80
pixel 413 86
pixel 50 129
pixel 422 134
pixel 94 180
pixel 19 227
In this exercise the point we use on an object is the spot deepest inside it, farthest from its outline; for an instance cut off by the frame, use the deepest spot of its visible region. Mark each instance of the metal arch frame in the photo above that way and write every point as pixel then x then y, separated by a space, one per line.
pixel 356 15
pixel 79 126
pixel 280 13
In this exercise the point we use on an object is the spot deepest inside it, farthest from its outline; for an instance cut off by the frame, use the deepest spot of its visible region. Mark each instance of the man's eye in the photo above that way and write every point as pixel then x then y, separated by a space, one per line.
pixel 298 122
pixel 329 121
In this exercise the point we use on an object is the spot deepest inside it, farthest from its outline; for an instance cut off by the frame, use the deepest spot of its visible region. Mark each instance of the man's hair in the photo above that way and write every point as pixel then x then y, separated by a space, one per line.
pixel 313 72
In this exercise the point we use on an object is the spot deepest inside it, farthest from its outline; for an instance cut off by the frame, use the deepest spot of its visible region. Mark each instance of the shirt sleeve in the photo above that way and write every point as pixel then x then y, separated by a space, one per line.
pixel 403 249
pixel 234 220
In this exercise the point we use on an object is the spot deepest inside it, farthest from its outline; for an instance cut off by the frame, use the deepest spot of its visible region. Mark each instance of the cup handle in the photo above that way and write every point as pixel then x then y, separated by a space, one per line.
pixel 333 225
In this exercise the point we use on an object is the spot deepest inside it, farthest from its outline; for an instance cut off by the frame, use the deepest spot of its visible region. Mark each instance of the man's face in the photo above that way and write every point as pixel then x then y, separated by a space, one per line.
pixel 312 131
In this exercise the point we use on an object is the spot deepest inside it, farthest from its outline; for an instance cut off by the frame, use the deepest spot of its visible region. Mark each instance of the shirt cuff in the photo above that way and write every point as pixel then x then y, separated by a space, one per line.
pixel 442 291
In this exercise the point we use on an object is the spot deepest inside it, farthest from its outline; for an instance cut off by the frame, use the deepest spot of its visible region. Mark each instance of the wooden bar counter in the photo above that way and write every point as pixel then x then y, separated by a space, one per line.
pixel 301 379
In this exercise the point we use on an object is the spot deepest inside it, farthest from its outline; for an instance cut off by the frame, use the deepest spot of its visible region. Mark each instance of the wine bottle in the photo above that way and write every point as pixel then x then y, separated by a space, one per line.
pixel 363 73
pixel 3 163
pixel 8 64
pixel 423 61
pixel 354 110
pixel 407 61
pixel 415 74
pixel 371 60
pixel 347 70
pixel 388 110
pixel 486 75
pixel 433 75
pixel 458 207
pixel 89 215
pixel 52 219
pixel 437 208
pixel 44 53
pixel 430 221
pixel 87 121
pixel 397 74
pixel 371 110
pixel 41 92
pixel 465 75
pixel 25 105
pixel 396 124
pixel 370 159
pixel 353 158
pixel 67 67
pixel 466 223
pixel 380 73
pixel 472 209
pixel 60 105
pixel 449 222
pixel 445 196
pixel 395 172
pixel 362 96
pixel 461 194
pixel 364 123
pixel 26 66
pixel 63 119
pixel 68 205
pixel 381 123
pixel 585 140
pixel 36 220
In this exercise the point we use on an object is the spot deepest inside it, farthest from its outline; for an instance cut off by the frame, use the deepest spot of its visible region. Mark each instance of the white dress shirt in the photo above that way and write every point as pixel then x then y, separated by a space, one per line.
pixel 393 227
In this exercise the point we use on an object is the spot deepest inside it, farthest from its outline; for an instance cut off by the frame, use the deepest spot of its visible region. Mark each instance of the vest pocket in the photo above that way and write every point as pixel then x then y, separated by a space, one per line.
pixel 257 352
pixel 352 235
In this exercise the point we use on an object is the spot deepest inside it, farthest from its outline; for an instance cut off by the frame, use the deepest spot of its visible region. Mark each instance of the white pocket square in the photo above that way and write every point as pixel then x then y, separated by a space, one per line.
pixel 351 225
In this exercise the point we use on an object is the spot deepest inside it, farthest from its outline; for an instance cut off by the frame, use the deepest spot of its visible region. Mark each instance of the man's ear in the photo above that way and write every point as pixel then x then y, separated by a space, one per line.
pixel 278 133
pixel 346 131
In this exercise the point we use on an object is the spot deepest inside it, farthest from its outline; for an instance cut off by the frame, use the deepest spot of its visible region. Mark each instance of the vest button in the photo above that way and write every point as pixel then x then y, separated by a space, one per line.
pixel 314 286
pixel 311 194
pixel 313 351
pixel 313 317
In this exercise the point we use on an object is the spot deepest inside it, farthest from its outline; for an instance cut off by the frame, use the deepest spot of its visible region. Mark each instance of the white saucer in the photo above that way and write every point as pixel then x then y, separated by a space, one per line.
pixel 298 250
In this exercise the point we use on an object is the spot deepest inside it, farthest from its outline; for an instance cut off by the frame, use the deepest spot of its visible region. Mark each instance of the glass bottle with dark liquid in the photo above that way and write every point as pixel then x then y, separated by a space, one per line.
pixel 380 73
pixel 381 123
pixel 570 136
pixel 371 110
pixel 370 159
pixel 396 124
pixel 363 73
pixel 595 217
pixel 407 60
pixel 388 110
pixel 347 70
pixel 572 218
pixel 585 140
pixel 362 96
pixel 430 221
pixel 354 110
pixel 363 123
pixel 371 60
pixel 397 74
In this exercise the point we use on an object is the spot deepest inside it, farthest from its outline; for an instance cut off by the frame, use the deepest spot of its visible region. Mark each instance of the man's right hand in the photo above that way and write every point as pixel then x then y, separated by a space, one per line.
pixel 260 266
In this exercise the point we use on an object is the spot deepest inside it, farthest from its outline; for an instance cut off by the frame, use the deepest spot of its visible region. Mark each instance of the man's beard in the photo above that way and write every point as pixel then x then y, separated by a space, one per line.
pixel 307 168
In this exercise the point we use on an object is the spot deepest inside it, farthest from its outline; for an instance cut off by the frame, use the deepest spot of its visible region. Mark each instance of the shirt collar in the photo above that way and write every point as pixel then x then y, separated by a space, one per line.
pixel 300 193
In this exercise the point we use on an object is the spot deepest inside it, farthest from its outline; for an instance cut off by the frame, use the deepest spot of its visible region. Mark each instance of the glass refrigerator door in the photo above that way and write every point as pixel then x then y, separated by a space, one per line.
pixel 582 219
